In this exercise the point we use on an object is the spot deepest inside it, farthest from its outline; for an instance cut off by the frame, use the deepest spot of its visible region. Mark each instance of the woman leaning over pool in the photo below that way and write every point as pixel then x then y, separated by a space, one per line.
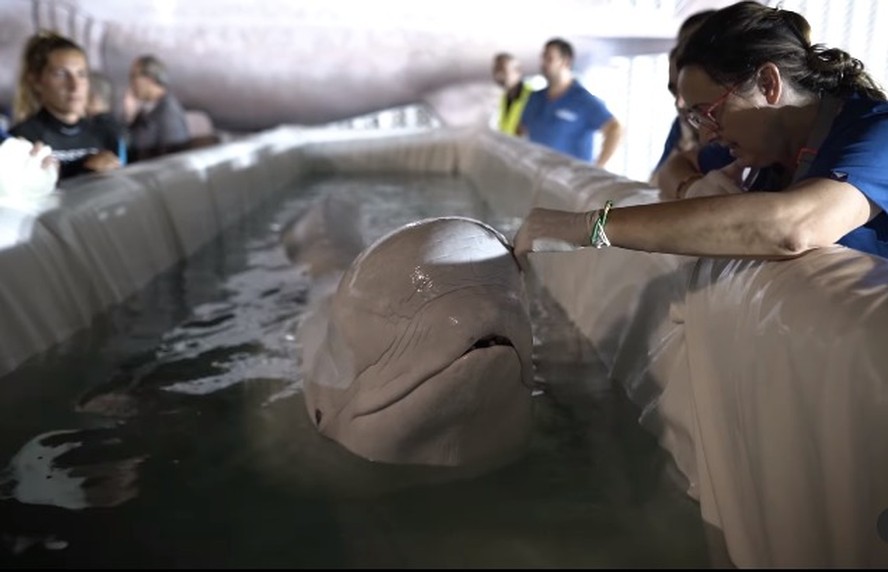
pixel 808 119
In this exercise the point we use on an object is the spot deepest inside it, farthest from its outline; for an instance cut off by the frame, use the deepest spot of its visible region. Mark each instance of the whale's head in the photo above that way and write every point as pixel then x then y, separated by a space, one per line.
pixel 423 353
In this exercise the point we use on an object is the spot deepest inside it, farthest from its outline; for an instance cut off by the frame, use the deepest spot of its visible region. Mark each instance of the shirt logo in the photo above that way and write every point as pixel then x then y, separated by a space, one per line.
pixel 566 115
pixel 69 155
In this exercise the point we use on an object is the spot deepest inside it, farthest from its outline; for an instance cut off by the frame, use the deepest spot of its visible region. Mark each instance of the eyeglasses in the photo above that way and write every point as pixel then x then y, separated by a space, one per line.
pixel 699 118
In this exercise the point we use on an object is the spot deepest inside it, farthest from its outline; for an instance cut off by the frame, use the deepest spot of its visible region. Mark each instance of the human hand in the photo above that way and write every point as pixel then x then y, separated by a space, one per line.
pixel 549 230
pixel 734 171
pixel 724 181
pixel 48 163
pixel 102 161
pixel 130 106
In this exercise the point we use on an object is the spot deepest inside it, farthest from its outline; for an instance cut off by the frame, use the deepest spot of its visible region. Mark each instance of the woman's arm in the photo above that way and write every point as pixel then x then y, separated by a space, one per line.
pixel 812 214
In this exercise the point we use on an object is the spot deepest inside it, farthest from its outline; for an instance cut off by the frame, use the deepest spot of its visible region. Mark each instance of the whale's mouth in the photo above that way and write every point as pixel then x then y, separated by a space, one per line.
pixel 489 342
pixel 464 369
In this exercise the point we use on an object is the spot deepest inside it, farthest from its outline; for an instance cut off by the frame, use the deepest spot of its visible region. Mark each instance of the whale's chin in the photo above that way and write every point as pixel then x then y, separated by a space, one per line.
pixel 475 412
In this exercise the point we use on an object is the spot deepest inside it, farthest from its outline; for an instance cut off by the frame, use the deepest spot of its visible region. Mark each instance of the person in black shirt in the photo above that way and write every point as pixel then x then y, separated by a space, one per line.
pixel 160 126
pixel 56 75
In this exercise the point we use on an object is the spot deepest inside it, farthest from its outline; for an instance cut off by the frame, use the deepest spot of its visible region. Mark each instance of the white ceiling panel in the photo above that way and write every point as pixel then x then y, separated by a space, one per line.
pixel 253 65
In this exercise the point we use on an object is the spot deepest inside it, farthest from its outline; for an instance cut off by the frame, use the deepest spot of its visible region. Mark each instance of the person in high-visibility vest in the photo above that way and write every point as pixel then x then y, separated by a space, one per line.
pixel 507 74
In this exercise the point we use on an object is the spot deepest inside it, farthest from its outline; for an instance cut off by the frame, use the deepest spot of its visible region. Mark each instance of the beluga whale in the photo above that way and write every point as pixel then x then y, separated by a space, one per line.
pixel 420 354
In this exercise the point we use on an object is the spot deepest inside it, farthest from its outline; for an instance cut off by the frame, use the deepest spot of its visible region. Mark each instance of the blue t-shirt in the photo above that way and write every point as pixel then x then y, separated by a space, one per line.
pixel 566 124
pixel 713 156
pixel 856 152
pixel 671 142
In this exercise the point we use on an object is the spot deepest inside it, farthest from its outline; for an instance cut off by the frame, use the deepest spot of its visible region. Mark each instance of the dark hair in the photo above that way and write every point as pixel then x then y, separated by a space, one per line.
pixel 563 46
pixel 151 67
pixel 691 23
pixel 35 58
pixel 734 42
pixel 688 27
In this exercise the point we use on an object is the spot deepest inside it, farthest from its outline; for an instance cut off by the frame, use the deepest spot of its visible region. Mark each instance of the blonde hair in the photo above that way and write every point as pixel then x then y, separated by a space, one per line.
pixel 35 57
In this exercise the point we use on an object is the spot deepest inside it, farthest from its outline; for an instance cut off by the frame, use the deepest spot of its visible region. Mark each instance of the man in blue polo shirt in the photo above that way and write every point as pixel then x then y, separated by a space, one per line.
pixel 564 115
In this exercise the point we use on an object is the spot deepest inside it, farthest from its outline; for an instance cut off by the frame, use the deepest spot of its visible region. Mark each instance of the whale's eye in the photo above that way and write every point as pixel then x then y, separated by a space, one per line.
pixel 318 416
pixel 490 341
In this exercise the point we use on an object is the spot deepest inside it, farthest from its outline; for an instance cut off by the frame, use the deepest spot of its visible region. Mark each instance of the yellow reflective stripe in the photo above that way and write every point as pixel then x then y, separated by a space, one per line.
pixel 509 121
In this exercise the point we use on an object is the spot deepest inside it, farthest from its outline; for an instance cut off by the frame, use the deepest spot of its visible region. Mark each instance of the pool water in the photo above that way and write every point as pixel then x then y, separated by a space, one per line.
pixel 173 433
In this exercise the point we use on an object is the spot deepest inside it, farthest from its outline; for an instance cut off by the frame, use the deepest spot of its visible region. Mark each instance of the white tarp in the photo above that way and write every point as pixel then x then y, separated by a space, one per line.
pixel 766 381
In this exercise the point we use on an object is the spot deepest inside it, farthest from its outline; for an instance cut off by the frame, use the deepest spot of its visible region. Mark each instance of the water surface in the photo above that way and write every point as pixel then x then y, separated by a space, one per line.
pixel 173 433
